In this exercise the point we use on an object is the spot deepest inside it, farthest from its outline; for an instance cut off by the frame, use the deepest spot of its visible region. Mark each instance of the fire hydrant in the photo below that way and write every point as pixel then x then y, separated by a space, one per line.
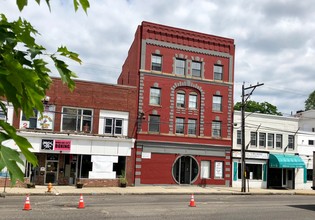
pixel 49 187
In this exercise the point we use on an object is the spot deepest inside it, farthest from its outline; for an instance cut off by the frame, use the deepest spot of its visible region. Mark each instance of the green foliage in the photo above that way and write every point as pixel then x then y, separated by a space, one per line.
pixel 262 107
pixel 24 80
pixel 310 101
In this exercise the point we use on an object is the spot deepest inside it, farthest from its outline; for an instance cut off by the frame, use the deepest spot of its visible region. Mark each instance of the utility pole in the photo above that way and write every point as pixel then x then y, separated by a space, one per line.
pixel 244 100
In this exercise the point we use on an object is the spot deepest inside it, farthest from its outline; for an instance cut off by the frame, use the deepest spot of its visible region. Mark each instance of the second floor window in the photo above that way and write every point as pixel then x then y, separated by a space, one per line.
pixel 156 63
pixel 2 114
pixel 154 123
pixel 218 72
pixel 271 138
pixel 179 126
pixel 192 126
pixel 180 66
pixel 291 142
pixel 155 96
pixel 32 121
pixel 279 141
pixel 239 137
pixel 196 69
pixel 75 119
pixel 180 99
pixel 262 140
pixel 253 139
pixel 217 103
pixel 113 126
pixel 216 129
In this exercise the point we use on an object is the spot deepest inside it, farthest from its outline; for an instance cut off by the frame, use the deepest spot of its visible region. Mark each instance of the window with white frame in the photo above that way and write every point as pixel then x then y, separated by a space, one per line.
pixel 156 62
pixel 155 96
pixel 205 169
pixel 192 126
pixel 239 137
pixel 196 69
pixel 179 125
pixel 310 142
pixel 217 103
pixel 254 171
pixel 76 119
pixel 113 123
pixel 180 66
pixel 3 114
pixel 291 142
pixel 279 141
pixel 262 140
pixel 154 123
pixel 216 128
pixel 192 101
pixel 253 139
pixel 218 170
pixel 218 72
pixel 180 99
pixel 113 126
pixel 271 140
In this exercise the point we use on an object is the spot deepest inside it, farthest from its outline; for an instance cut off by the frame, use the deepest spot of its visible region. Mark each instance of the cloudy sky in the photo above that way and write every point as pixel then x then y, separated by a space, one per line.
pixel 275 40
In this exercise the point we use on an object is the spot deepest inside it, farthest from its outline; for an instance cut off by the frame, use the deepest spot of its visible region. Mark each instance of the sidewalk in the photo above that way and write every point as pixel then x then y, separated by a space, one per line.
pixel 149 190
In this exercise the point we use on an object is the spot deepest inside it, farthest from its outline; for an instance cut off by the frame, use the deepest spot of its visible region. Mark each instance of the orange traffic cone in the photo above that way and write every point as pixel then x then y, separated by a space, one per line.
pixel 81 203
pixel 192 201
pixel 27 204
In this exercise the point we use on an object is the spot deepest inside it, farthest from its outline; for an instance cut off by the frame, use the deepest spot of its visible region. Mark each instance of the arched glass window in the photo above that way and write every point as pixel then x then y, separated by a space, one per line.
pixel 185 170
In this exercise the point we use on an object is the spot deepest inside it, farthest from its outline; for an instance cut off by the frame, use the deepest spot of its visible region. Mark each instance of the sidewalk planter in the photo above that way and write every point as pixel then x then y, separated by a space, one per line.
pixel 30 185
pixel 79 185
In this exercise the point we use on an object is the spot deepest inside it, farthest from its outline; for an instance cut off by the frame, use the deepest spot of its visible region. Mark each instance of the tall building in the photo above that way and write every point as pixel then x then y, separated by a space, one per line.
pixel 185 103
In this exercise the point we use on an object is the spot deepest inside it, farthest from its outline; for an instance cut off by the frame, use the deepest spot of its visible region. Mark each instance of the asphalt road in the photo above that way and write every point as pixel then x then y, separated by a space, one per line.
pixel 161 207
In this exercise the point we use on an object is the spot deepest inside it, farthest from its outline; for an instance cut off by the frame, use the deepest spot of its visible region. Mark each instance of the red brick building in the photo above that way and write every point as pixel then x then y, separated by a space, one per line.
pixel 185 103
pixel 85 135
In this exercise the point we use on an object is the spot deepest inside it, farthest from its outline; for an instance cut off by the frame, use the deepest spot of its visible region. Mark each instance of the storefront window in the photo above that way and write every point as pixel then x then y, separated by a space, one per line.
pixel 185 170
pixel 253 171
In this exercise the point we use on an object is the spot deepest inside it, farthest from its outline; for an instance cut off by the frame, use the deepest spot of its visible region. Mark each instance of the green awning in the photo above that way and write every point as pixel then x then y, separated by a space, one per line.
pixel 285 161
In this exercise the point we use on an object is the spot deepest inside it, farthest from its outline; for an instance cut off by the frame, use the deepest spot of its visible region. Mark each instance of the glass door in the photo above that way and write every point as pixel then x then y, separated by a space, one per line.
pixel 51 171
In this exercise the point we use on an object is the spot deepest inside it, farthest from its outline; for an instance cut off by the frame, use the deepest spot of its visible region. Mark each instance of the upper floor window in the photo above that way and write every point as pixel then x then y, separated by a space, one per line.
pixel 2 114
pixel 196 69
pixel 31 122
pixel 262 140
pixel 156 62
pixel 113 126
pixel 76 119
pixel 180 66
pixel 291 142
pixel 218 72
pixel 217 103
pixel 278 140
pixel 216 129
pixel 155 96
pixel 239 137
pixel 180 99
pixel 39 121
pixel 192 126
pixel 154 123
pixel 310 142
pixel 253 139
pixel 192 101
pixel 271 140
pixel 179 125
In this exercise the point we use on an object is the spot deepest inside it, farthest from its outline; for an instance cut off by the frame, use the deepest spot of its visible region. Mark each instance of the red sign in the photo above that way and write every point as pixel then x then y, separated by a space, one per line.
pixel 62 145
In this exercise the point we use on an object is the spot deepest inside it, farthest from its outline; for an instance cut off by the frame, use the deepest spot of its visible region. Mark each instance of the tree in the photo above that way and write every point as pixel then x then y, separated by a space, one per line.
pixel 24 80
pixel 263 107
pixel 310 101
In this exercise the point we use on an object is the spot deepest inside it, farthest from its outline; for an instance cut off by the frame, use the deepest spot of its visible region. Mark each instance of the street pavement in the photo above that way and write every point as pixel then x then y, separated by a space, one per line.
pixel 150 190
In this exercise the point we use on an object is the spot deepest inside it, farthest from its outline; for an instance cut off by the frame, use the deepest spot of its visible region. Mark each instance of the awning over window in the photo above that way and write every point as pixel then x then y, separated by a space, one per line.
pixel 285 161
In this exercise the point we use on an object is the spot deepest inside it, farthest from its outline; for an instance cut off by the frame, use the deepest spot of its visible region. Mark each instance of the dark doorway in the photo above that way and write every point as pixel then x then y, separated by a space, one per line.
pixel 185 170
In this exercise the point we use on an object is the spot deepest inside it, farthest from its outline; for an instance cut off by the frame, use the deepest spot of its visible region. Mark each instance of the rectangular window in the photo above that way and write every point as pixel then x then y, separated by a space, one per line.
pixel 180 100
pixel 310 142
pixel 253 139
pixel 113 126
pixel 262 140
pixel 2 114
pixel 179 126
pixel 75 119
pixel 156 63
pixel 216 129
pixel 180 66
pixel 32 121
pixel 196 69
pixel 218 72
pixel 217 103
pixel 291 142
pixel 218 170
pixel 309 175
pixel 253 171
pixel 155 96
pixel 192 101
pixel 205 169
pixel 271 140
pixel 239 137
pixel 279 141
pixel 192 126
pixel 154 123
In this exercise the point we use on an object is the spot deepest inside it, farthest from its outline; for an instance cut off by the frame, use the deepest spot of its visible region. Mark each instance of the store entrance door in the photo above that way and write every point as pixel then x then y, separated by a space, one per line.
pixel 51 171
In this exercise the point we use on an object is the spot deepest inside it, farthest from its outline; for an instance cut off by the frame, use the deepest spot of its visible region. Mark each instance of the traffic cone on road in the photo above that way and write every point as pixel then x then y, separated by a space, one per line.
pixel 81 203
pixel 192 201
pixel 27 204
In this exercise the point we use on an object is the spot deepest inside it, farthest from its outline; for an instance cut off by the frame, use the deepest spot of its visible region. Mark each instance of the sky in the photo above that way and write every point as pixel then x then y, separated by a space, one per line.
pixel 275 40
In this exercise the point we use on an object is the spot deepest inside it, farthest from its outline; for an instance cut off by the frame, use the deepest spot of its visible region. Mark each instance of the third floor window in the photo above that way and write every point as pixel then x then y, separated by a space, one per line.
pixel 180 99
pixel 217 103
pixel 156 62
pixel 196 69
pixel 155 96
pixel 192 101
pixel 180 66
pixel 218 72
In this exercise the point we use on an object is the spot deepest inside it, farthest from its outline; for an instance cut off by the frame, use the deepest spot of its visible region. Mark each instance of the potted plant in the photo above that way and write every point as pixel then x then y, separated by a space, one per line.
pixel 123 180
pixel 30 185
pixel 79 185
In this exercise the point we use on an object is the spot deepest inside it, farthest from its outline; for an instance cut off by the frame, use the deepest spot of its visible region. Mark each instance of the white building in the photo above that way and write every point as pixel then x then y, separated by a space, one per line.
pixel 272 159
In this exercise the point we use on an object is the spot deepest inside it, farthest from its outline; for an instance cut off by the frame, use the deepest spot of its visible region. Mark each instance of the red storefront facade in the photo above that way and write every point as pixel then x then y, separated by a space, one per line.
pixel 185 105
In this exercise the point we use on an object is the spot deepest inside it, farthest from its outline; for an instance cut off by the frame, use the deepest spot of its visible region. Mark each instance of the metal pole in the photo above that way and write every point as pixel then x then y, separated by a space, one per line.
pixel 243 165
